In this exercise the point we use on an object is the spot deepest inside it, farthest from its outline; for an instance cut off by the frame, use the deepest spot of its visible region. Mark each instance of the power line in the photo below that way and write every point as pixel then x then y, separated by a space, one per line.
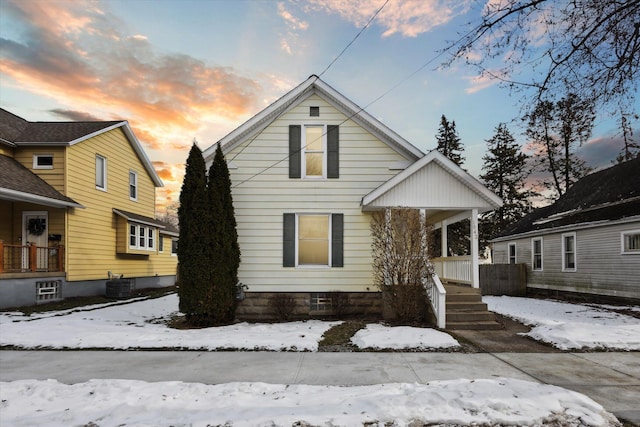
pixel 355 38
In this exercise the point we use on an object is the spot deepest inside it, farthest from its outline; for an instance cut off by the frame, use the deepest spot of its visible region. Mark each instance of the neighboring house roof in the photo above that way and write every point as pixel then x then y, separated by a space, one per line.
pixel 314 85
pixel 19 183
pixel 606 195
pixel 403 184
pixel 18 132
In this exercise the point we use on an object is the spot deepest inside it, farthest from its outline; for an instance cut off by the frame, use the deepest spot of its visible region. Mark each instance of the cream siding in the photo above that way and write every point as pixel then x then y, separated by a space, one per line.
pixel 262 193
pixel 600 266
pixel 445 191
pixel 91 232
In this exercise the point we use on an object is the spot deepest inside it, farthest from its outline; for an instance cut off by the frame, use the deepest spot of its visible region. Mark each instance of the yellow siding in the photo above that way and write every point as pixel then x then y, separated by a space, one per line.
pixel 91 232
pixel 6 151
pixel 268 193
pixel 11 215
pixel 54 176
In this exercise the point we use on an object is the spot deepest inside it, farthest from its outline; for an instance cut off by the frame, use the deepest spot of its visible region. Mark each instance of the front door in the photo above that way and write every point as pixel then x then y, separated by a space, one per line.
pixel 35 226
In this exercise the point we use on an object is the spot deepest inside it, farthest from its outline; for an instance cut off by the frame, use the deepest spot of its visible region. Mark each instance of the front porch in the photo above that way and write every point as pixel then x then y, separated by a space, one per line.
pixel 18 260
pixel 444 194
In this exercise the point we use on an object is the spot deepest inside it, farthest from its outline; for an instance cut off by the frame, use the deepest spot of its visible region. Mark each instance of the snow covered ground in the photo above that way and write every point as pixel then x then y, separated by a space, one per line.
pixel 141 324
pixel 571 326
pixel 499 401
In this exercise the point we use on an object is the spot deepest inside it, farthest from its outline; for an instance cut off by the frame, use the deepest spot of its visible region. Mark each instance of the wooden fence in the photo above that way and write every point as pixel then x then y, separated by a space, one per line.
pixel 503 279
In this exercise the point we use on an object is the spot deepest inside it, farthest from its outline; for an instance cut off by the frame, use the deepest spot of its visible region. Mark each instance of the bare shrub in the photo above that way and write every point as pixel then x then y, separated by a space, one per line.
pixel 339 303
pixel 400 261
pixel 282 306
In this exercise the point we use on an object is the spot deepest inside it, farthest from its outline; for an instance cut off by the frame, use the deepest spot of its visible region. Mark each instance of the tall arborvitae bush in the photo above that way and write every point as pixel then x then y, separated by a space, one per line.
pixel 225 254
pixel 194 246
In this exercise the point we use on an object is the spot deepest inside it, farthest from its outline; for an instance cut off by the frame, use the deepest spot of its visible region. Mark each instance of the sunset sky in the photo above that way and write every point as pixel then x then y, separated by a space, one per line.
pixel 179 70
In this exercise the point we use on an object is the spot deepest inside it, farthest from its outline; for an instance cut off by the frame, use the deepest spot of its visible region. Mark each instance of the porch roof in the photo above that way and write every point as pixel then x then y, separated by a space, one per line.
pixel 436 184
pixel 19 184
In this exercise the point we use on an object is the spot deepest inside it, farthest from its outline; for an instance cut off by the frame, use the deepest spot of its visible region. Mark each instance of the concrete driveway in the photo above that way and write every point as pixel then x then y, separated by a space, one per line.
pixel 611 379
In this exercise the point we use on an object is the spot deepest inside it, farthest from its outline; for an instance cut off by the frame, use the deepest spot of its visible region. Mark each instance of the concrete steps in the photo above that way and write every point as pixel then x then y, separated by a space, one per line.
pixel 465 310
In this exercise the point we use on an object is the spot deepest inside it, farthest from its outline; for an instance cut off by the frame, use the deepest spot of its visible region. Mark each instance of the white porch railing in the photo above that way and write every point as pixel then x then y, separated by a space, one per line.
pixel 437 297
pixel 454 268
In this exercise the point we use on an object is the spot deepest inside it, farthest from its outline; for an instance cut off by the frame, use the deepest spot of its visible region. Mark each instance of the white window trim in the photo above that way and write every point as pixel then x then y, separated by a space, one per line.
pixel 104 172
pixel 575 252
pixel 160 243
pixel 303 156
pixel 623 246
pixel 515 252
pixel 135 175
pixel 533 254
pixel 172 252
pixel 298 265
pixel 35 161
pixel 145 246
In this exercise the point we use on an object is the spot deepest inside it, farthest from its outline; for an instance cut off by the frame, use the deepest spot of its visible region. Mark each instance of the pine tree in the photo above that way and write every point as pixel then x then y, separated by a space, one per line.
pixel 505 172
pixel 557 129
pixel 449 142
pixel 225 253
pixel 450 145
pixel 194 245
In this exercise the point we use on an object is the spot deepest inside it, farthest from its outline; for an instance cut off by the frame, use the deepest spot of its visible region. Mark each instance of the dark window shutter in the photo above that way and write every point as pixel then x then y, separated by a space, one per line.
pixel 289 240
pixel 337 240
pixel 294 151
pixel 333 158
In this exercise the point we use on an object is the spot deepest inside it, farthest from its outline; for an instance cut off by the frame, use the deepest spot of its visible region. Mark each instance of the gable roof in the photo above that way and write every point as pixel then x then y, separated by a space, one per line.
pixel 398 187
pixel 18 132
pixel 314 85
pixel 18 183
pixel 606 195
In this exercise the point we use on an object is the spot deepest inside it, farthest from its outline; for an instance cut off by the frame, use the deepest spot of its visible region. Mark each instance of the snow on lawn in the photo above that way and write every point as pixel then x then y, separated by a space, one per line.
pixel 379 336
pixel 570 326
pixel 141 324
pixel 498 401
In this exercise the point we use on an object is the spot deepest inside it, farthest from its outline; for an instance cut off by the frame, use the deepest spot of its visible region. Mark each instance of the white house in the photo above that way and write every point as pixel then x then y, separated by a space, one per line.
pixel 306 174
pixel 587 242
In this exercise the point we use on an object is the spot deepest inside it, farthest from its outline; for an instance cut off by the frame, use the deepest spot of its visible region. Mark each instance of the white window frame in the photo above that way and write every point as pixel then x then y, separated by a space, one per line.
pixel 533 254
pixel 304 151
pixel 328 265
pixel 37 157
pixel 104 173
pixel 515 253
pixel 624 247
pixel 564 252
pixel 133 186
pixel 145 237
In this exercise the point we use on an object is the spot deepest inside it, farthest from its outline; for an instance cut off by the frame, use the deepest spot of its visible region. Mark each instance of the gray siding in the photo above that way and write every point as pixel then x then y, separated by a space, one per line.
pixel 601 267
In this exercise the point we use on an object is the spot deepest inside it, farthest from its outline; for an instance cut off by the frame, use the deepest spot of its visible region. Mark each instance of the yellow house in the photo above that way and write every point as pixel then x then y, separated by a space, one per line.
pixel 77 207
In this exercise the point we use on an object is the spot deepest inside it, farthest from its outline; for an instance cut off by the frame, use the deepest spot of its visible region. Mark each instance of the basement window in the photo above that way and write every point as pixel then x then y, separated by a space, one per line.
pixel 48 291
pixel 321 302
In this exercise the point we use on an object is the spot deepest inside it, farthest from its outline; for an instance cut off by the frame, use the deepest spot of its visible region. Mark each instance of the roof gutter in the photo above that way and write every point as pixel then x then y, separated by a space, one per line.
pixel 19 196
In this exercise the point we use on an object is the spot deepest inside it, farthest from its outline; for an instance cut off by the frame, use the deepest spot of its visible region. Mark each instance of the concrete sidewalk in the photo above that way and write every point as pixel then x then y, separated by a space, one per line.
pixel 611 379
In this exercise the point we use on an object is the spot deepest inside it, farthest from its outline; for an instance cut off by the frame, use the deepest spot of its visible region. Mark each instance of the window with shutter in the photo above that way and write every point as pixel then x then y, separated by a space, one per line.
pixel 313 240
pixel 314 151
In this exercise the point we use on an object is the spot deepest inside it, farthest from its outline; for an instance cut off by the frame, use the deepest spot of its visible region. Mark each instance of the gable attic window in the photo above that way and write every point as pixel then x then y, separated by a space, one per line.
pixel 43 161
pixel 133 186
pixel 630 242
pixel 314 111
pixel 314 151
pixel 101 173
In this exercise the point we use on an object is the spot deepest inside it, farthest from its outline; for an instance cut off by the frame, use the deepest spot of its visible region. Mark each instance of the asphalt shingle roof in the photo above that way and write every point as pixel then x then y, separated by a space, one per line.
pixel 17 130
pixel 609 194
pixel 14 176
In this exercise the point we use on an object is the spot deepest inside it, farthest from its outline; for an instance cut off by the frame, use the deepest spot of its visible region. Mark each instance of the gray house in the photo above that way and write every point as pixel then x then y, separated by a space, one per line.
pixel 588 241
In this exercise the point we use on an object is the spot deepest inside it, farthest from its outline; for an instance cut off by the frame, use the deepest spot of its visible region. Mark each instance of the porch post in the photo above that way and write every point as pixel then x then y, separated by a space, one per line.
pixel 475 263
pixel 443 242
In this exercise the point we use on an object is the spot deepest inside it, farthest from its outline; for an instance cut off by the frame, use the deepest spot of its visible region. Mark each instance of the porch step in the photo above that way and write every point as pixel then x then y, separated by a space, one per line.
pixel 465 310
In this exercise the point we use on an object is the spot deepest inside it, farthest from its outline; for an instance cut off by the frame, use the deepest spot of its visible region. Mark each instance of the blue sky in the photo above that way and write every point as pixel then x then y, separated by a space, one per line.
pixel 179 70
